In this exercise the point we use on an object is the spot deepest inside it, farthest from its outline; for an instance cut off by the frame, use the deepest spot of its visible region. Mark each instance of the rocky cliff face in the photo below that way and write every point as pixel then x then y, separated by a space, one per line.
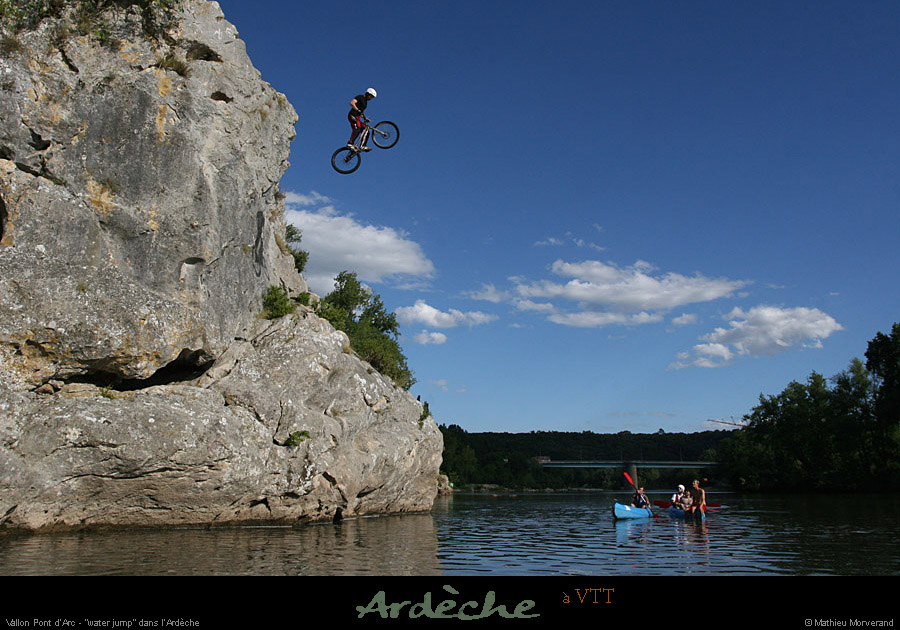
pixel 140 224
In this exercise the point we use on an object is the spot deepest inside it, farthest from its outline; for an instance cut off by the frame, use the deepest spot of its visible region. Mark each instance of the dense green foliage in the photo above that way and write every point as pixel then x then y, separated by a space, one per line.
pixel 833 434
pixel 373 332
pixel 510 459
pixel 276 303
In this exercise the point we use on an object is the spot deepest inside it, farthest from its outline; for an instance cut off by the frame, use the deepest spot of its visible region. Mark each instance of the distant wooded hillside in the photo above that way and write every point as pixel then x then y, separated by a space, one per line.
pixel 510 459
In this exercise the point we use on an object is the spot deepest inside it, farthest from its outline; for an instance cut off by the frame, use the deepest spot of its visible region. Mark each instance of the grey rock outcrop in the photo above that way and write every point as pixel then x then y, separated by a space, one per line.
pixel 140 224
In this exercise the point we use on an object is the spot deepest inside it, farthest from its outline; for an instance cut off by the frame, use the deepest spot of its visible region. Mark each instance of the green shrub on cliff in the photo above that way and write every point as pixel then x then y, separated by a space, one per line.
pixel 293 237
pixel 276 303
pixel 372 330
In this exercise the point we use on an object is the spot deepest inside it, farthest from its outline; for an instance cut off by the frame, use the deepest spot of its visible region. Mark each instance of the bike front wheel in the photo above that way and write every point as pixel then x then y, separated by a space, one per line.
pixel 345 160
pixel 385 134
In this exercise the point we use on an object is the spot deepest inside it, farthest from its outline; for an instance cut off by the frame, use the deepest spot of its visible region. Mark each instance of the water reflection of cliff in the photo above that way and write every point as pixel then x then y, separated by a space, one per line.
pixel 386 545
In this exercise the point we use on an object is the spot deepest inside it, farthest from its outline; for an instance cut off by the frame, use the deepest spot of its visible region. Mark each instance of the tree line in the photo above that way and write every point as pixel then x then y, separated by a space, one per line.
pixel 836 434
pixel 511 460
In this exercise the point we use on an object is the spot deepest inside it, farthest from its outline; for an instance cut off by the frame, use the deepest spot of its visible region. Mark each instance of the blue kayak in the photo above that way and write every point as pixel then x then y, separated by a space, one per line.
pixel 679 513
pixel 626 511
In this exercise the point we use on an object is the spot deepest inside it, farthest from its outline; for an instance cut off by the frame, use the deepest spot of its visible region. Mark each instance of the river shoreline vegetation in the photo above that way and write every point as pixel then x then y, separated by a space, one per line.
pixel 837 434
pixel 510 460
pixel 823 435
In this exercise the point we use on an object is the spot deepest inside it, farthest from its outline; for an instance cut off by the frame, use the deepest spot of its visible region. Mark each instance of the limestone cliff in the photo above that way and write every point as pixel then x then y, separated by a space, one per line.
pixel 140 224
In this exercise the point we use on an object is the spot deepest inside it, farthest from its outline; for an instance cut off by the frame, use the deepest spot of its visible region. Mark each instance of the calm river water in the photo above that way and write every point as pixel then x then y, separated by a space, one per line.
pixel 504 535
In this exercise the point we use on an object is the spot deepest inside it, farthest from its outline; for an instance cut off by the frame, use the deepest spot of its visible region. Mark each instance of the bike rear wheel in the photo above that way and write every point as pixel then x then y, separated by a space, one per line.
pixel 345 160
pixel 385 134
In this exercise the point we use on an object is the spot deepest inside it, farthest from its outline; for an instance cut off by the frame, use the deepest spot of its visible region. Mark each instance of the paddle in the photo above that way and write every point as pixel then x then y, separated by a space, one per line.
pixel 665 504
pixel 628 477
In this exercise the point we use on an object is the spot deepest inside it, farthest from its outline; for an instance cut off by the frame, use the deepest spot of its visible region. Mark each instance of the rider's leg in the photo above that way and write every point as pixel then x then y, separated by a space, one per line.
pixel 355 126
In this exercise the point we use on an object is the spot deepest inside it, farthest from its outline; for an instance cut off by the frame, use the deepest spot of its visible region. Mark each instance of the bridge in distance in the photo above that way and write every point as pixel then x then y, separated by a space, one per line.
pixel 622 463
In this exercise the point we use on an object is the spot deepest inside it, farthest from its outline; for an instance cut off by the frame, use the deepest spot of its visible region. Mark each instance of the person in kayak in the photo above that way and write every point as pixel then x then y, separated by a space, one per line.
pixel 681 499
pixel 356 116
pixel 639 499
pixel 698 497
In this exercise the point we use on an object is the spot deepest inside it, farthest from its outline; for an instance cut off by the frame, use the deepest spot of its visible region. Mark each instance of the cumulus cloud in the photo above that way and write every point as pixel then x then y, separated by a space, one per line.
pixel 605 294
pixel 631 288
pixel 685 319
pixel 311 199
pixel 427 338
pixel 339 242
pixel 538 307
pixel 488 293
pixel 760 331
pixel 423 313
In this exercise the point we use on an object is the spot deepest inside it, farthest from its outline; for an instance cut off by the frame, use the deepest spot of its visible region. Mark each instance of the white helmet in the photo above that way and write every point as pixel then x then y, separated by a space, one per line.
pixel 372 92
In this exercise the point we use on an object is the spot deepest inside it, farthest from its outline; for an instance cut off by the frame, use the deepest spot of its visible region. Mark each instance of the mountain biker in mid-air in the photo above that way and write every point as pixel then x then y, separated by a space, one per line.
pixel 357 106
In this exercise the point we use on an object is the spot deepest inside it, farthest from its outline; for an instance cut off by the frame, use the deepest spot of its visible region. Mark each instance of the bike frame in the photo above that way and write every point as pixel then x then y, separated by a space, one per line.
pixel 347 158
pixel 363 136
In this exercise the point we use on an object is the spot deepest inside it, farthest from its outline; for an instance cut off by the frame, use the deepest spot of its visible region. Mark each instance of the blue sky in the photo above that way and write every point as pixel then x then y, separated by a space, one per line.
pixel 601 216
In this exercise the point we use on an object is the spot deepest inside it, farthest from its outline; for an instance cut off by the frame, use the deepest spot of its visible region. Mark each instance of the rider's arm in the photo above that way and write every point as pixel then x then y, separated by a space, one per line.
pixel 353 105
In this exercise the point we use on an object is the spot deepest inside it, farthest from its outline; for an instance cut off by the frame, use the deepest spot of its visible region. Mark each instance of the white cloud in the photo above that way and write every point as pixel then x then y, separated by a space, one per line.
pixel 444 385
pixel 606 294
pixel 632 288
pixel 489 293
pixel 760 331
pixel 299 199
pixel 538 307
pixel 554 241
pixel 593 319
pixel 337 242
pixel 423 313
pixel 427 337
pixel 685 319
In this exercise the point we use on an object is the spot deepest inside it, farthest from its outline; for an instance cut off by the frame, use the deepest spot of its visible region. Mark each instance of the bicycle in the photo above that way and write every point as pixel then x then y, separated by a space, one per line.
pixel 384 135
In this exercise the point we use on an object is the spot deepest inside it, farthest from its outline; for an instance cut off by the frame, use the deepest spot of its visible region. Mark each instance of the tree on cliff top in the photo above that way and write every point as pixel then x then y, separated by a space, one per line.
pixel 373 331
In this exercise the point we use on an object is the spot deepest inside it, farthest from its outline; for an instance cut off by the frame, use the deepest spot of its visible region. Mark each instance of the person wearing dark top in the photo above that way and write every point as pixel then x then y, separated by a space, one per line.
pixel 356 116
pixel 639 499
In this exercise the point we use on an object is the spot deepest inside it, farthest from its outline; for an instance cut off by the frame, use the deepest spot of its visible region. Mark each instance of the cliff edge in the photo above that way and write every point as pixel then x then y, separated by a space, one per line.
pixel 140 224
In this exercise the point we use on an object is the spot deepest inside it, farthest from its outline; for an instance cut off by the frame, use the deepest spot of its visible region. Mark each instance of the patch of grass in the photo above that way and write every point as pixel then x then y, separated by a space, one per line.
pixel 19 15
pixel 296 438
pixel 173 63
pixel 10 46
